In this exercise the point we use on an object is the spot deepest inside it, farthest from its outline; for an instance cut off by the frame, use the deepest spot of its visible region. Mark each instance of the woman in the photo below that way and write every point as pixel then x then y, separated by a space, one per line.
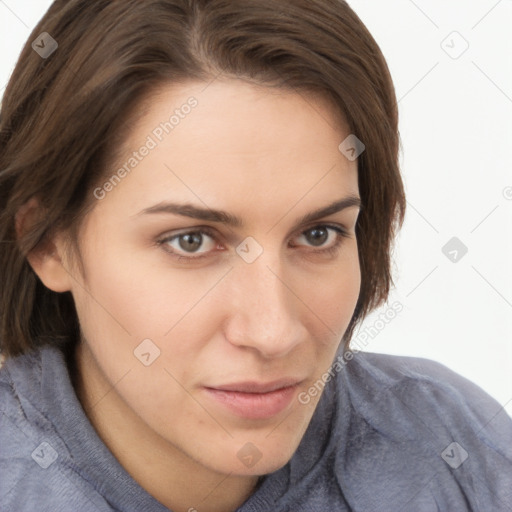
pixel 199 200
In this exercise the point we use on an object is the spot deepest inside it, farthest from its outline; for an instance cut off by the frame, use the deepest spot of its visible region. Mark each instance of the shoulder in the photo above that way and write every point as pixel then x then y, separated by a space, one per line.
pixel 426 388
pixel 421 432
pixel 36 470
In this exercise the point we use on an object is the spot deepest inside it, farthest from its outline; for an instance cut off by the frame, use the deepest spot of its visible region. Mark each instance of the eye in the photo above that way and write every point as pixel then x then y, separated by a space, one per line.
pixel 320 235
pixel 200 242
pixel 189 242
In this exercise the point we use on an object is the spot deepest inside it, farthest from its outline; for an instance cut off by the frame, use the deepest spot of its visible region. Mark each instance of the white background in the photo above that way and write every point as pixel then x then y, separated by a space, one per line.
pixel 456 113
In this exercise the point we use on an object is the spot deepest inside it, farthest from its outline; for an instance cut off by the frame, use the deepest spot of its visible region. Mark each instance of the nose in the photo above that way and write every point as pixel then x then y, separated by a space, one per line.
pixel 264 312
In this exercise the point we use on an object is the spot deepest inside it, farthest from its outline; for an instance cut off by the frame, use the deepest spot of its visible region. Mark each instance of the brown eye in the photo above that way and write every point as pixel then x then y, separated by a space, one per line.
pixel 189 243
pixel 317 236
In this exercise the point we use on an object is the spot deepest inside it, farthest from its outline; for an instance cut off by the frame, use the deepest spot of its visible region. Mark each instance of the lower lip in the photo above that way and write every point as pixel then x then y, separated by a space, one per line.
pixel 254 406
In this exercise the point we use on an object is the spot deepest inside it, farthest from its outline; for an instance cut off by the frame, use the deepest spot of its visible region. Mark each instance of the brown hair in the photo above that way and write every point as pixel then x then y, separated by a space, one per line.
pixel 61 118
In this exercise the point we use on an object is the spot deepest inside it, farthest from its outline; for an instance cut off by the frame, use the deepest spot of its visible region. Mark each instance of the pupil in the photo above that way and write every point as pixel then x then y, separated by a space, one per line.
pixel 318 236
pixel 190 242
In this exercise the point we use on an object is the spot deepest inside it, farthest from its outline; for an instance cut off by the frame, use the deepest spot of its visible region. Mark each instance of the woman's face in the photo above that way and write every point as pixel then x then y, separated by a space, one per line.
pixel 202 331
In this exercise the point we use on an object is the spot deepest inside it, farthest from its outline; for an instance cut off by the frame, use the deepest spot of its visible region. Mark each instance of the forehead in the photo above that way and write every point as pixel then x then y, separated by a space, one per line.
pixel 231 142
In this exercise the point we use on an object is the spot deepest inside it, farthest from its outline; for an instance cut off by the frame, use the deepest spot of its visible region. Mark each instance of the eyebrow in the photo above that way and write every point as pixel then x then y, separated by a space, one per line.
pixel 223 217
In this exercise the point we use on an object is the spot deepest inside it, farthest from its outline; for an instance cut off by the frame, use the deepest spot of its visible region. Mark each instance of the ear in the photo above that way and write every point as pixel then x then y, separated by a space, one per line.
pixel 48 258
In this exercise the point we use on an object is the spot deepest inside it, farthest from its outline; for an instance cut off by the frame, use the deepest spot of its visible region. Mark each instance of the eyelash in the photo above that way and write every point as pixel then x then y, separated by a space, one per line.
pixel 331 251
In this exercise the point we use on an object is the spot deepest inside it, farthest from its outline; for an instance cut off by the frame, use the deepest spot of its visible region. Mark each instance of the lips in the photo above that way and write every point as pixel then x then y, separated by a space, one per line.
pixel 256 387
pixel 254 400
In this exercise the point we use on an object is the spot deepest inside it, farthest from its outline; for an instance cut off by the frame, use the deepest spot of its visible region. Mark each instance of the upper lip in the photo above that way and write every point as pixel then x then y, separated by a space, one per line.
pixel 257 387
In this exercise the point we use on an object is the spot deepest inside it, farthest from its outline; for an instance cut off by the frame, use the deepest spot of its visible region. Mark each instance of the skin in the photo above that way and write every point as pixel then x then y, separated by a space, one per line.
pixel 268 156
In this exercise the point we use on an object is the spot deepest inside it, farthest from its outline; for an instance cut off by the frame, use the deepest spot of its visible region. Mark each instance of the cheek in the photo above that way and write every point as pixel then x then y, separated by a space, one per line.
pixel 333 300
pixel 141 297
pixel 334 293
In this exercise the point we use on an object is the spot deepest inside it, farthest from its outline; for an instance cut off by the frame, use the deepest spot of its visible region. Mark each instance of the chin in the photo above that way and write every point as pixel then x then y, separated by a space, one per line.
pixel 255 458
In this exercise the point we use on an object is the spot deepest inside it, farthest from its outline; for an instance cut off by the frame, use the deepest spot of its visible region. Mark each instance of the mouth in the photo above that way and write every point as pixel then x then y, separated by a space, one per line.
pixel 254 400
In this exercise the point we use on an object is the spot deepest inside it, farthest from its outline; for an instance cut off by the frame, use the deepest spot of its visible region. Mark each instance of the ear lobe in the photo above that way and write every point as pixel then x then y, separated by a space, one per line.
pixel 46 259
